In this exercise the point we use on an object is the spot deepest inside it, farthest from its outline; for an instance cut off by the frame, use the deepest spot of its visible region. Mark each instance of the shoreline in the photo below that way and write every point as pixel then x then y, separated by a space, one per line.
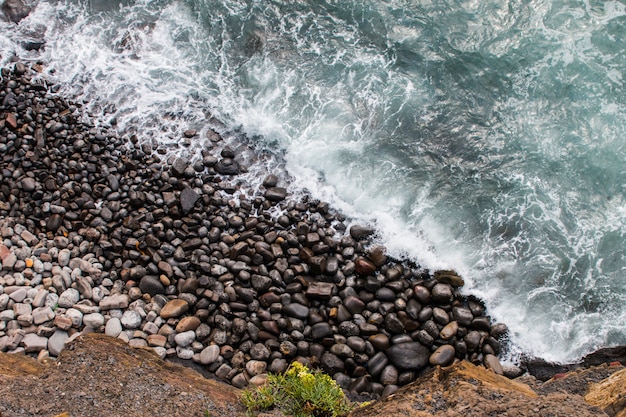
pixel 100 235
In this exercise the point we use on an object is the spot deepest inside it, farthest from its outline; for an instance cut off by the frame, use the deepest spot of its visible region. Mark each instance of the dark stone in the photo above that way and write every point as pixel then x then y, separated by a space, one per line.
pixel 331 364
pixel 150 284
pixel 296 310
pixel 385 294
pixel 54 222
pixel 443 356
pixel 393 324
pixel 440 316
pixel 261 283
pixel 422 294
pixel 377 363
pixel 380 341
pixel 408 356
pixel 320 290
pixel 442 294
pixel 276 194
pixel 188 198
pixel 227 166
pixel 481 323
pixel 270 181
pixel 413 308
pixel 364 266
pixel 424 338
pixel 377 256
pixel 321 330
pixel 317 264
pixel 463 315
pixel 356 343
pixel 498 330
pixel 361 232
pixel 449 277
pixel 179 166
pixel 472 339
pixel 353 304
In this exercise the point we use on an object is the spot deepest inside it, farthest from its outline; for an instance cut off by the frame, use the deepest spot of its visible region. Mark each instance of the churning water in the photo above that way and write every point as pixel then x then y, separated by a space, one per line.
pixel 488 136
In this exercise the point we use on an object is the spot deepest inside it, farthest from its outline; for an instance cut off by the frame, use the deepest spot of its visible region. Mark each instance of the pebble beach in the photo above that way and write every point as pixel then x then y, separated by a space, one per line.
pixel 102 234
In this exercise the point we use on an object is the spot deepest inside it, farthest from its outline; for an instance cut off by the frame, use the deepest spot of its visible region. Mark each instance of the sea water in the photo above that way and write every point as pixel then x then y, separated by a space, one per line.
pixel 485 136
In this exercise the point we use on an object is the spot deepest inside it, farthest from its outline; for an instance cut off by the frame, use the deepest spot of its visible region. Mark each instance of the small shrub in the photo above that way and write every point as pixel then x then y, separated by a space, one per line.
pixel 299 392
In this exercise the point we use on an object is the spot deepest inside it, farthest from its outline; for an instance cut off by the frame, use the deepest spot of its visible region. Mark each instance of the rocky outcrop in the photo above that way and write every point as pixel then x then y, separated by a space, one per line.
pixel 609 394
pixel 466 390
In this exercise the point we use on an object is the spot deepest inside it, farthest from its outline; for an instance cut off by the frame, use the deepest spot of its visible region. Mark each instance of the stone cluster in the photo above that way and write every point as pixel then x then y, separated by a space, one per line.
pixel 100 233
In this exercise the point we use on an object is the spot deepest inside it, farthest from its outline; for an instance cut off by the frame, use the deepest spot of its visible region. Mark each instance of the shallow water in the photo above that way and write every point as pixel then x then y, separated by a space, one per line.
pixel 484 136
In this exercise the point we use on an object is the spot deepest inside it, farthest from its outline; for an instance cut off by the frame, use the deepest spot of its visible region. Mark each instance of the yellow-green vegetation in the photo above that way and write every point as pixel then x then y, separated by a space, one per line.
pixel 299 392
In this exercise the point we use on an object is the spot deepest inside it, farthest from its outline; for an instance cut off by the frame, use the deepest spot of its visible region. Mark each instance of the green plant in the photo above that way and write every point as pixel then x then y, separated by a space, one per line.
pixel 299 392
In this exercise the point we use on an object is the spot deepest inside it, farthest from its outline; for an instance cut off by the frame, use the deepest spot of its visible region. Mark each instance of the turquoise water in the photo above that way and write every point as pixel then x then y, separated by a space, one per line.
pixel 486 136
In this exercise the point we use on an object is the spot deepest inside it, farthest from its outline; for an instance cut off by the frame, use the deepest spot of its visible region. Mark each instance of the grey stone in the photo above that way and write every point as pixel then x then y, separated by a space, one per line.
pixel 255 367
pixel 34 343
pixel 69 297
pixel 93 320
pixel 75 316
pixel 114 301
pixel 56 342
pixel 113 327
pixel 131 319
pixel 184 352
pixel 209 354
pixel 19 295
pixel 64 257
pixel 185 339
pixel 42 315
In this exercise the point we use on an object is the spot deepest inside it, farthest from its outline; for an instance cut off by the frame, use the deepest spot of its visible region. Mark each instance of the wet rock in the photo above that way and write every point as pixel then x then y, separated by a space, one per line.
pixel 276 194
pixel 449 277
pixel 361 232
pixel 227 166
pixel 15 10
pixel 442 294
pixel 364 266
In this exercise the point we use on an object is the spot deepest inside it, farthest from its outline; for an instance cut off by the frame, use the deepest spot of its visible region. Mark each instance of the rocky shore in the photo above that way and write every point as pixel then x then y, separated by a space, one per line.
pixel 105 234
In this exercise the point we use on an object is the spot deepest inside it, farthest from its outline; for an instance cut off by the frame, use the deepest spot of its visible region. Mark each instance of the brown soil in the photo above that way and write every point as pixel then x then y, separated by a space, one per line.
pixel 100 376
